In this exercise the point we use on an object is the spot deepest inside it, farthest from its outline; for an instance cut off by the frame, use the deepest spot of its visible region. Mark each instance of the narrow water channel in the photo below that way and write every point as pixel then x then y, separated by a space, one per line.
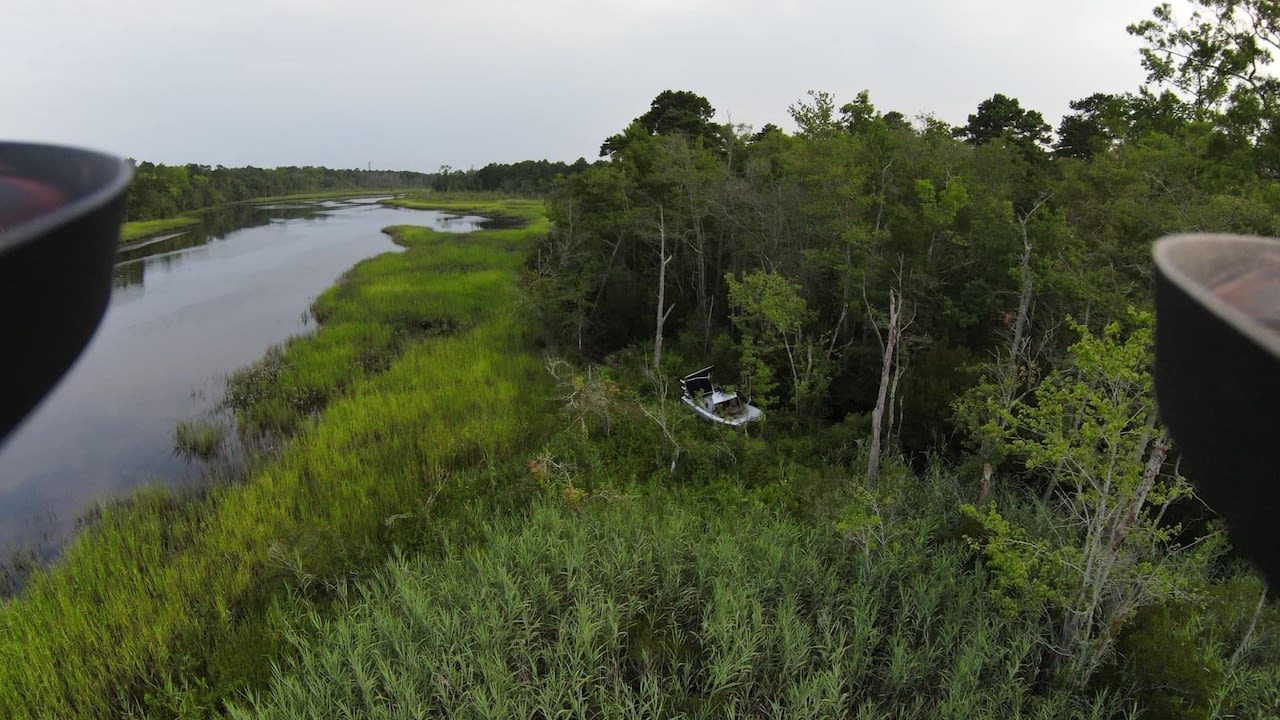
pixel 186 310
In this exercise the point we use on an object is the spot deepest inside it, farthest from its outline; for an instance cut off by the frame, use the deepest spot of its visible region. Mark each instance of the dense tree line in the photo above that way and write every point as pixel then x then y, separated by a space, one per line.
pixel 161 191
pixel 992 234
pixel 527 177
pixel 980 290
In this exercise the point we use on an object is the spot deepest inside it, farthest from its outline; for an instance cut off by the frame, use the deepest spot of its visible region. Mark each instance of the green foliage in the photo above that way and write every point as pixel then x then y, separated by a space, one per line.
pixel 982 411
pixel 1216 58
pixel 940 207
pixel 1028 575
pixel 1089 416
pixel 858 202
pixel 1002 117
pixel 1220 61
pixel 1174 679
pixel 816 117
pixel 1099 120
pixel 862 521
pixel 526 177
pixel 1184 657
pixel 770 316
pixel 673 112
pixel 1090 428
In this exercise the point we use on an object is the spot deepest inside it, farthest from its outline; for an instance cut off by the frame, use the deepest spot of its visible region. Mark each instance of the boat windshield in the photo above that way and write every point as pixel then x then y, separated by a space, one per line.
pixel 730 407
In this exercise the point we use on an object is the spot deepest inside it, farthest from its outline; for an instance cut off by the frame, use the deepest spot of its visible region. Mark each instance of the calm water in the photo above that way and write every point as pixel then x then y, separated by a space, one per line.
pixel 185 311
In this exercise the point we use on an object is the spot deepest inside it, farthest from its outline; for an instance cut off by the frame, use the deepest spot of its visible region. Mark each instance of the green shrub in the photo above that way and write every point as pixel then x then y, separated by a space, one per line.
pixel 1177 657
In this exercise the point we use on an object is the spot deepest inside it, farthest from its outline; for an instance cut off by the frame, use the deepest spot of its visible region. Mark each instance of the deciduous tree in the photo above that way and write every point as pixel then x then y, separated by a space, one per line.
pixel 1109 550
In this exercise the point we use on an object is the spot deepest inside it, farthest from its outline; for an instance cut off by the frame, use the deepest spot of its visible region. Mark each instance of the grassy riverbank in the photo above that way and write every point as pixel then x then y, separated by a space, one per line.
pixel 489 204
pixel 326 195
pixel 143 229
pixel 426 380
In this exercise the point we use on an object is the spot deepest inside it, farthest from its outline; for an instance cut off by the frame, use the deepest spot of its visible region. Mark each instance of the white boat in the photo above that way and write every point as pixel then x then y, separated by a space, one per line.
pixel 711 402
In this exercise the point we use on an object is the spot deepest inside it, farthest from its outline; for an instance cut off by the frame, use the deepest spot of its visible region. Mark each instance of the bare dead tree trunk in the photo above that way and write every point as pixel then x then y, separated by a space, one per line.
pixel 886 366
pixel 1017 351
pixel 1028 286
pixel 899 368
pixel 1159 450
pixel 984 485
pixel 661 315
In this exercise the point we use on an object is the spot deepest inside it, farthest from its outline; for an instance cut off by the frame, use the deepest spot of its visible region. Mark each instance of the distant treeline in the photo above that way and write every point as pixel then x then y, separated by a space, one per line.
pixel 527 177
pixel 161 191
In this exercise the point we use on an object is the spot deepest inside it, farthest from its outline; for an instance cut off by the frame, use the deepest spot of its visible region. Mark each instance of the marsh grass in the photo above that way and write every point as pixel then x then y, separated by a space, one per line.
pixel 495 205
pixel 161 606
pixel 443 285
pixel 666 606
pixel 196 440
pixel 142 229
pixel 15 569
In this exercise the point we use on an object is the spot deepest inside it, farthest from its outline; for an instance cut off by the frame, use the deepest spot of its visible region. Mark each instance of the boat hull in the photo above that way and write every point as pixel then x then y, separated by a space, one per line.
pixel 749 413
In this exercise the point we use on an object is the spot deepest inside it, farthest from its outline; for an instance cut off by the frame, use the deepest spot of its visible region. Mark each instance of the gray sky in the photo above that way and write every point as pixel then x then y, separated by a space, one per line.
pixel 413 85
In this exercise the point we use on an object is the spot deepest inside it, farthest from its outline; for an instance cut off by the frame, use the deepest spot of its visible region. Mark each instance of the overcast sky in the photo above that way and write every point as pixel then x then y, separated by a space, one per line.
pixel 414 85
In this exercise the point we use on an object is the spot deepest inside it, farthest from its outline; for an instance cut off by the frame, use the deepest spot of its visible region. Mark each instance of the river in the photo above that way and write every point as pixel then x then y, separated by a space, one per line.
pixel 186 311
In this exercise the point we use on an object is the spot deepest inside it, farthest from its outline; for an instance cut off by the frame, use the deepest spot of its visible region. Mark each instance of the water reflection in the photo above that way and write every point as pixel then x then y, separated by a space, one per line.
pixel 214 226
